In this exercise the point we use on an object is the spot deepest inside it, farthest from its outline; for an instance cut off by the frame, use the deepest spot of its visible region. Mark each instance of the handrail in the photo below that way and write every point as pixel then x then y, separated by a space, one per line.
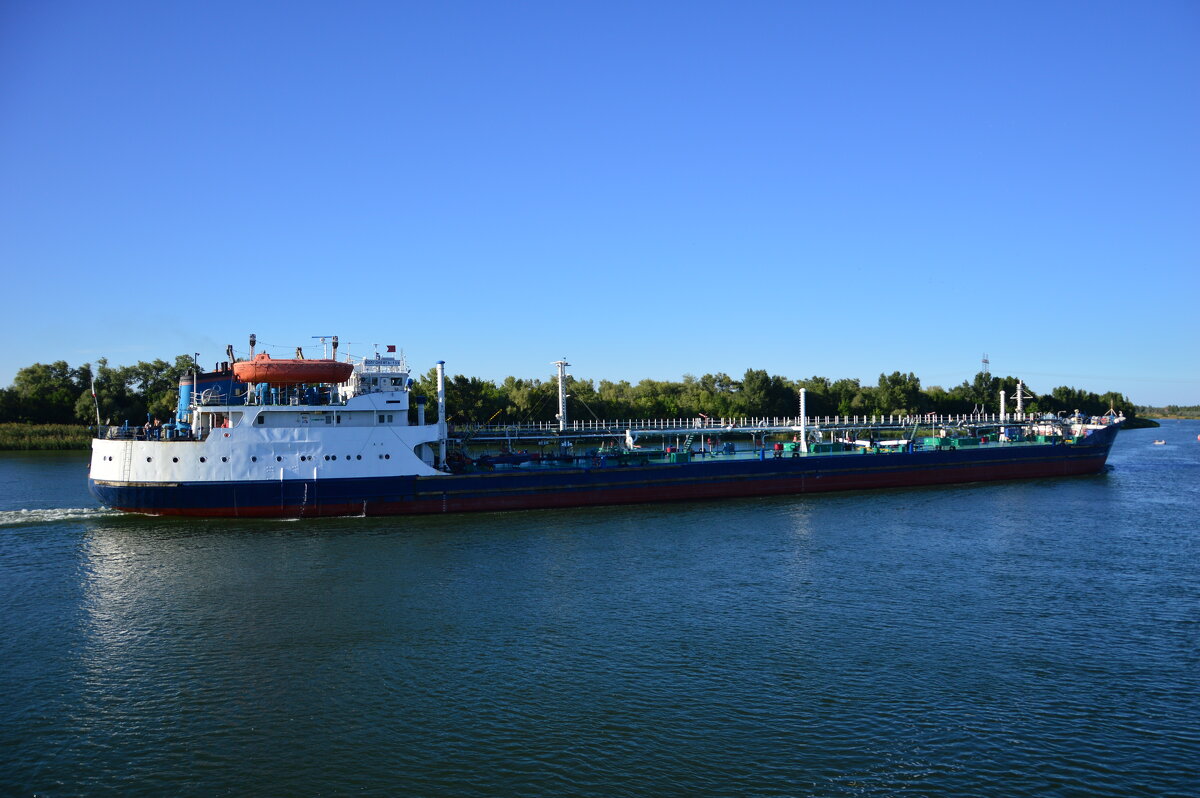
pixel 160 433
pixel 747 423
pixel 754 422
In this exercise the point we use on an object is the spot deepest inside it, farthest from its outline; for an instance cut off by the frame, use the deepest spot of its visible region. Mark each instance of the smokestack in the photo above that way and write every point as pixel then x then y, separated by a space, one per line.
pixel 253 340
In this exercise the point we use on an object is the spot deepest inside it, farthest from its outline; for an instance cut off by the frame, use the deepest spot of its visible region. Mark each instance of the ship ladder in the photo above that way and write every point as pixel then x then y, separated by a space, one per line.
pixel 687 443
pixel 127 461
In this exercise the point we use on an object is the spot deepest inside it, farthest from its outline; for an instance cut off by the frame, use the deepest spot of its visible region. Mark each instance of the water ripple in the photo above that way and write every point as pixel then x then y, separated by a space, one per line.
pixel 1024 639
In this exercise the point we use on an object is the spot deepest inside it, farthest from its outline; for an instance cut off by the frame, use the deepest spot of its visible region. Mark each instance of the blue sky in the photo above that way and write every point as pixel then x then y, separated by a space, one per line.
pixel 647 189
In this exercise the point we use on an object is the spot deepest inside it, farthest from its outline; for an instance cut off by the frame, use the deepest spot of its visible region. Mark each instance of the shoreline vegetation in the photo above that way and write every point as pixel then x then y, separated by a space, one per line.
pixel 1170 412
pixel 52 406
pixel 22 437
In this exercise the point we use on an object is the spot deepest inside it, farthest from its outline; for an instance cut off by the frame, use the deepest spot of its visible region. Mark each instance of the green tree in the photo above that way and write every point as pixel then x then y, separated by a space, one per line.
pixel 898 394
pixel 118 402
pixel 765 395
pixel 819 399
pixel 470 399
pixel 10 405
pixel 46 393
pixel 157 383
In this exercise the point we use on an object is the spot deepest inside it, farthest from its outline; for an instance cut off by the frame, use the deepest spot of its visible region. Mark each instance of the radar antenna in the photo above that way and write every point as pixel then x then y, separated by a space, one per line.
pixel 324 346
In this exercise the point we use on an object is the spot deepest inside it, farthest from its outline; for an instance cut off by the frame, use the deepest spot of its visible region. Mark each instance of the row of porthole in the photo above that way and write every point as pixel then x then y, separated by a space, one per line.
pixel 327 457
pixel 277 458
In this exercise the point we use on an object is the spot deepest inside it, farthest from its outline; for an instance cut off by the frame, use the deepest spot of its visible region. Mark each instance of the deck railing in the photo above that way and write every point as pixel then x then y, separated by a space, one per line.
pixel 743 423
pixel 151 433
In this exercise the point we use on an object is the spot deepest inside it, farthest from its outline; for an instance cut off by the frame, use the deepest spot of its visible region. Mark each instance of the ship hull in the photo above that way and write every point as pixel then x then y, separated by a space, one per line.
pixel 706 478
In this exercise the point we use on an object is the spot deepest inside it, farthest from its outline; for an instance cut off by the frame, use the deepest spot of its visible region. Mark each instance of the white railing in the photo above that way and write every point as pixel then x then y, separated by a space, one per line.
pixel 149 433
pixel 746 423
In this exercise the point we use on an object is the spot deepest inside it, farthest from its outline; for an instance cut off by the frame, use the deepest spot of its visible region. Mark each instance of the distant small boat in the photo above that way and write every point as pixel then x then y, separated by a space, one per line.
pixel 1159 443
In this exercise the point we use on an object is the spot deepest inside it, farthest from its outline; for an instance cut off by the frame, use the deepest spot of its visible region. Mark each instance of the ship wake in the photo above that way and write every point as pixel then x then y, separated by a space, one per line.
pixel 53 515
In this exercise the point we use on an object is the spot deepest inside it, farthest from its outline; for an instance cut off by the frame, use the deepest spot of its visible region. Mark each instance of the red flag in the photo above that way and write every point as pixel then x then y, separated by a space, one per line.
pixel 391 348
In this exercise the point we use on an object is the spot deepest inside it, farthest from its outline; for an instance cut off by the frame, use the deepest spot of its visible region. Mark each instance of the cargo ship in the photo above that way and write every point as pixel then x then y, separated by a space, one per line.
pixel 299 438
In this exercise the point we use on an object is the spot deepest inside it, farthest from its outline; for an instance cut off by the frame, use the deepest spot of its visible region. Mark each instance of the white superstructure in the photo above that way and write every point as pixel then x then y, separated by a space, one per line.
pixel 362 431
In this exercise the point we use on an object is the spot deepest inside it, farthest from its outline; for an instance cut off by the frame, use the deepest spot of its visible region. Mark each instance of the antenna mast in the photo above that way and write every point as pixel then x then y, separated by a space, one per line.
pixel 325 347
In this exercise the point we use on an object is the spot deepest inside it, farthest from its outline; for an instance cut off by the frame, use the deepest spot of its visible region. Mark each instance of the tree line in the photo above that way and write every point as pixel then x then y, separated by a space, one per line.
pixel 1169 411
pixel 471 400
pixel 57 393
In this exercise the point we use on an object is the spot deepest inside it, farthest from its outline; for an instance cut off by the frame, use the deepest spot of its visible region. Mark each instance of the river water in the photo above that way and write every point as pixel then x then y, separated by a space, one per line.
pixel 1026 638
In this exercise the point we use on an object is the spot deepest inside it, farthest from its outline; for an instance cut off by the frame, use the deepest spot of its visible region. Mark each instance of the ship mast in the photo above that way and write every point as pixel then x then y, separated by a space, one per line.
pixel 325 347
pixel 441 397
pixel 1022 395
pixel 562 393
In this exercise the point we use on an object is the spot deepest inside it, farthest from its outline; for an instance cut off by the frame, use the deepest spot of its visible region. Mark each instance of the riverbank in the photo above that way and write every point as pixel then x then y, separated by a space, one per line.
pixel 18 437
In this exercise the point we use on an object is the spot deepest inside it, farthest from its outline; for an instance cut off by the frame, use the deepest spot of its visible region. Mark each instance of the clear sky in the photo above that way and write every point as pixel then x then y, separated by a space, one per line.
pixel 649 189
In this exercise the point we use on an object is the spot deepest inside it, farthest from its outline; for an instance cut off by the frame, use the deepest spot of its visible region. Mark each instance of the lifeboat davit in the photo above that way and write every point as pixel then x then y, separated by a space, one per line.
pixel 264 368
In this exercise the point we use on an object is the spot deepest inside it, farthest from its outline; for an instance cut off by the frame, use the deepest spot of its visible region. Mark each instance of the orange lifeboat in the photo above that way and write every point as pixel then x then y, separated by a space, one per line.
pixel 263 368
